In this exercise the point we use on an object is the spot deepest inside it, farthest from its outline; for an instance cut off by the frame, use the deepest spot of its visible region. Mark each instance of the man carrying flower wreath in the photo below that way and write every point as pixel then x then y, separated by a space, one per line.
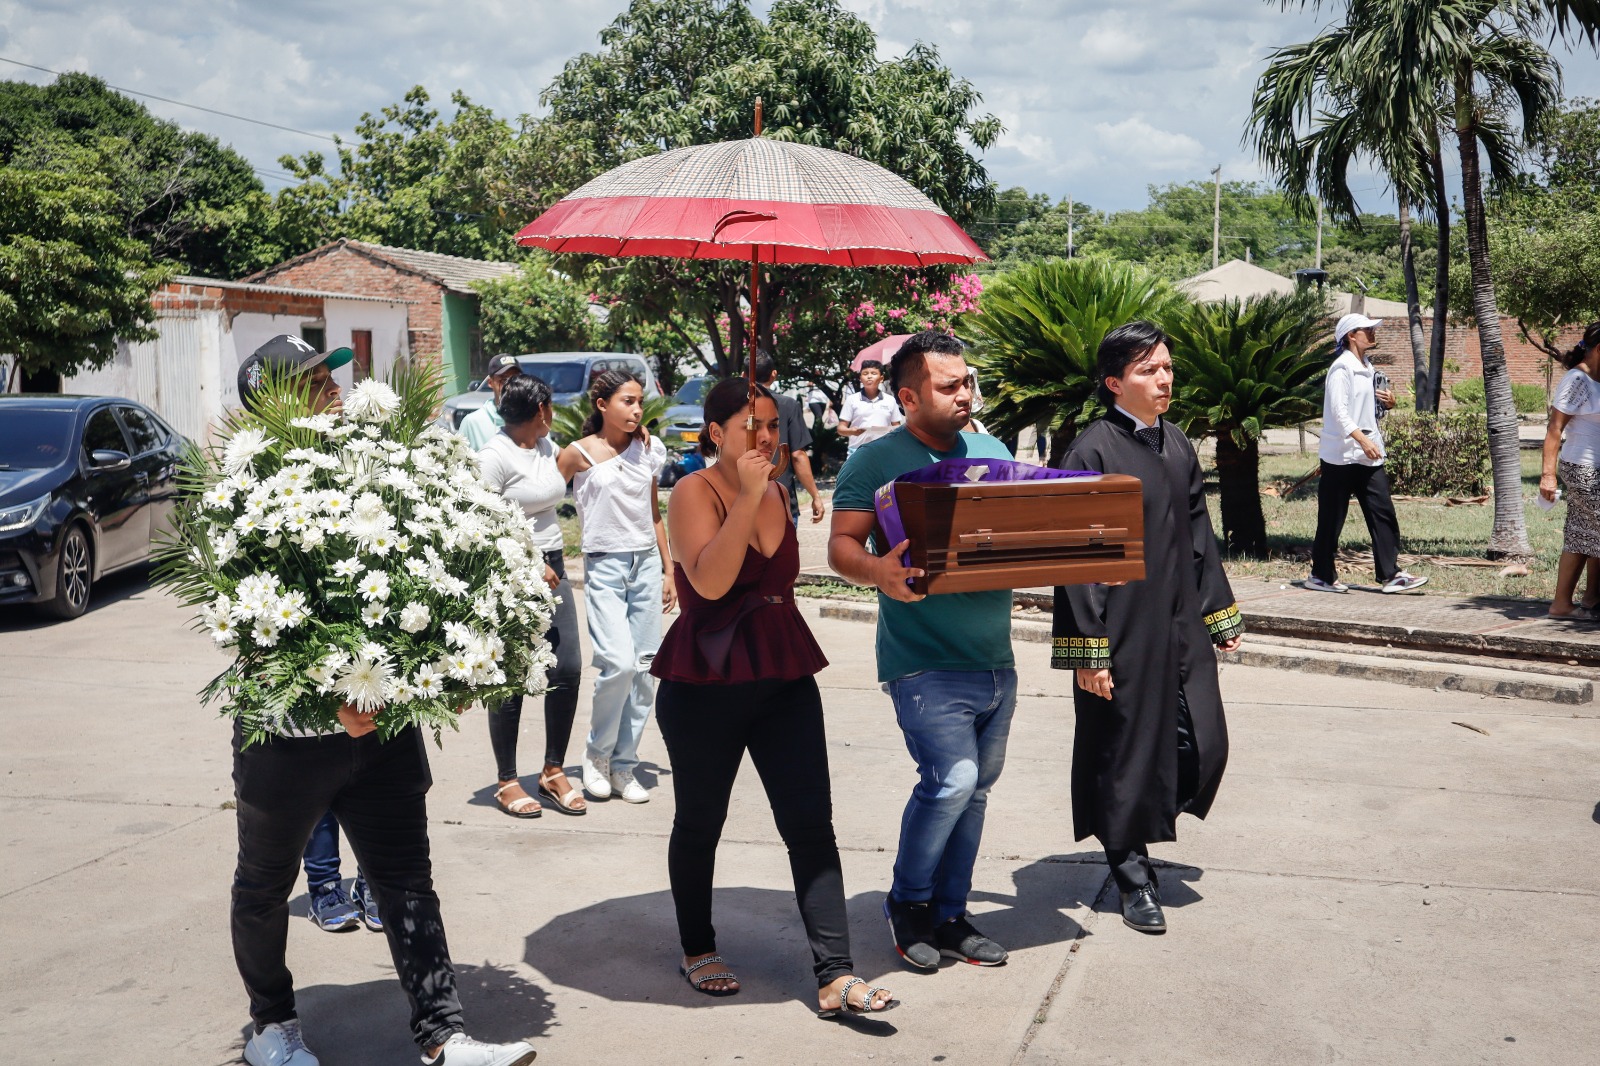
pixel 376 787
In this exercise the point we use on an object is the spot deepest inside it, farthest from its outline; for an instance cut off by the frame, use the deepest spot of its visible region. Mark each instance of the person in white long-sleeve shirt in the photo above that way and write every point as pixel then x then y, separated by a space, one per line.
pixel 1351 450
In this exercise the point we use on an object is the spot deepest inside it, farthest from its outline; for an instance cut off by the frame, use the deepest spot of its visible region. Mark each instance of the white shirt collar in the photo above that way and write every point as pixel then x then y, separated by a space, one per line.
pixel 1137 424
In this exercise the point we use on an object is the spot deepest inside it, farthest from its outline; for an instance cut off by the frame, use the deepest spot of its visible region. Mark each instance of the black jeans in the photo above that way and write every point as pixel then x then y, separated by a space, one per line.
pixel 708 728
pixel 1370 486
pixel 378 791
pixel 560 702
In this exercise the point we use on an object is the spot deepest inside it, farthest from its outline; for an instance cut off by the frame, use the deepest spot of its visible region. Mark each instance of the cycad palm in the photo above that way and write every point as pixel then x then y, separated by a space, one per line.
pixel 1037 335
pixel 1240 368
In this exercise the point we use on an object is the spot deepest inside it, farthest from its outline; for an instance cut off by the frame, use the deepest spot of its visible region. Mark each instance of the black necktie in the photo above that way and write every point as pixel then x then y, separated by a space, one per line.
pixel 1150 438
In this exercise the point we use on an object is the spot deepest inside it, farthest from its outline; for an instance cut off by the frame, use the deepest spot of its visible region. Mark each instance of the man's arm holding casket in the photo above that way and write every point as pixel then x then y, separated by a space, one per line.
pixel 848 555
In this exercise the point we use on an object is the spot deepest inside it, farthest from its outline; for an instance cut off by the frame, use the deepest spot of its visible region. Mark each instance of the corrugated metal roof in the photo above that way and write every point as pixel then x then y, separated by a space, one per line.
pixel 281 290
pixel 452 271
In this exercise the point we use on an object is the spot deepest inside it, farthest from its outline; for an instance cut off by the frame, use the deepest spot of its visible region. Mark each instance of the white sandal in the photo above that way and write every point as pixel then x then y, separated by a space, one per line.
pixel 523 807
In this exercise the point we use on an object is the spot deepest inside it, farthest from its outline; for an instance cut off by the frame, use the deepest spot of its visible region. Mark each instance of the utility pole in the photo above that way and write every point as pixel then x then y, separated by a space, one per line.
pixel 1216 217
pixel 1069 225
pixel 1319 233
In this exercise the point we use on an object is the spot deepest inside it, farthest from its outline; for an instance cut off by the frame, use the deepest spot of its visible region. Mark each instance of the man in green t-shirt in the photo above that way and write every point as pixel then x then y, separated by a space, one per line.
pixel 945 661
pixel 481 426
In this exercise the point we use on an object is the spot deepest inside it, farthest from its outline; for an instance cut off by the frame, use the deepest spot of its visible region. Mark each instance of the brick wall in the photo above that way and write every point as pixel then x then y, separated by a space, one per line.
pixel 176 296
pixel 343 270
pixel 1528 364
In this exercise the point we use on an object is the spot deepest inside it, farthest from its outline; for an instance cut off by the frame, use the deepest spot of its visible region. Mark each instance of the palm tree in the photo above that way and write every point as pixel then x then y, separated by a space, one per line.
pixel 1482 59
pixel 1037 335
pixel 1240 368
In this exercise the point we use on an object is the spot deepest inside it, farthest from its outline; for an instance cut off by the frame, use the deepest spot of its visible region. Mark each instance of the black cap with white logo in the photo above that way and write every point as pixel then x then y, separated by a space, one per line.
pixel 502 363
pixel 286 355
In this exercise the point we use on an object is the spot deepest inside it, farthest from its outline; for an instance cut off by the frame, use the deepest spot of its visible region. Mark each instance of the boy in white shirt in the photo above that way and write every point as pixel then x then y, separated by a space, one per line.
pixel 870 413
pixel 1351 450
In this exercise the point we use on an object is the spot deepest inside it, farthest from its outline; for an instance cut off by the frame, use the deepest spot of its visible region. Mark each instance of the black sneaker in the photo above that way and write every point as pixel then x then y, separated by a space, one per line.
pixel 957 939
pixel 367 904
pixel 911 926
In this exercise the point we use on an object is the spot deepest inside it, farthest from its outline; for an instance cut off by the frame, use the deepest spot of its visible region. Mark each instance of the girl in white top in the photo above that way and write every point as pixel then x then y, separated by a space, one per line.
pixel 615 470
pixel 1575 408
pixel 521 463
pixel 870 413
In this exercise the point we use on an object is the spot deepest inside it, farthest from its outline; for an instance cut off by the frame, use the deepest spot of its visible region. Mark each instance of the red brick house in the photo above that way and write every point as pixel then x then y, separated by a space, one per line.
pixel 437 289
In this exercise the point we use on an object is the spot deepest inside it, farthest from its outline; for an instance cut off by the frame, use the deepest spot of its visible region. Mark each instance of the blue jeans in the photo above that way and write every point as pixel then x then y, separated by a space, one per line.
pixel 622 591
pixel 956 723
pixel 322 854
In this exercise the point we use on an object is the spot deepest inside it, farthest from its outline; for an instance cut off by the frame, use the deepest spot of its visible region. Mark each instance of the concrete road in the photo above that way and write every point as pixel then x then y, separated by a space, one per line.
pixel 1376 884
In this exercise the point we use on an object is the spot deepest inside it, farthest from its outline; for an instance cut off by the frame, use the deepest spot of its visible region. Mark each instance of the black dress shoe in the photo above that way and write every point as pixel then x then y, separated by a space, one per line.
pixel 1141 910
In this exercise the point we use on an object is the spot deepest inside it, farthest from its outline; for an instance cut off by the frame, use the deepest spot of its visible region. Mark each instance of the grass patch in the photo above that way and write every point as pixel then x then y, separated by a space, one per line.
pixel 821 587
pixel 1426 528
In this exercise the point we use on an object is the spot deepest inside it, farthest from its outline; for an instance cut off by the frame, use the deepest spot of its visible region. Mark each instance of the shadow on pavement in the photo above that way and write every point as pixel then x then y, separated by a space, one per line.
pixel 356 1025
pixel 122 585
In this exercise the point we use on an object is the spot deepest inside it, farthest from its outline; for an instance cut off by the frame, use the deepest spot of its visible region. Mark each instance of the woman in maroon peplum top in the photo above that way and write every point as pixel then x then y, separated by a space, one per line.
pixel 737 674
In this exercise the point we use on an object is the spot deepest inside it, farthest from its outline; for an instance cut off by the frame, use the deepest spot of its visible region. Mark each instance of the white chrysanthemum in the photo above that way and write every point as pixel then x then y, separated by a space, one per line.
pixel 219 496
pixel 374 586
pixel 242 447
pixel 243 481
pixel 298 522
pixel 417 568
pixel 380 543
pixel 369 505
pixel 336 525
pixel 225 546
pixel 223 630
pixel 402 545
pixel 333 502
pixel 366 684
pixel 324 672
pixel 460 635
pixel 290 609
pixel 248 523
pixel 371 401
pixel 347 567
pixel 312 538
pixel 428 682
pixel 373 614
pixel 460 666
pixel 321 423
pixel 414 617
pixel 265 633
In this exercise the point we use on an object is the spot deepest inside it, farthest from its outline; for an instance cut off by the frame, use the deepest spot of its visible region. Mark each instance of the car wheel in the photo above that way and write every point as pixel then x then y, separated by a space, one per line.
pixel 74 576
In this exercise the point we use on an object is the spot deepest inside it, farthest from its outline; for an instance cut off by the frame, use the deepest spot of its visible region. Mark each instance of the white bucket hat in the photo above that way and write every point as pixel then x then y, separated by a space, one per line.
pixel 1352 322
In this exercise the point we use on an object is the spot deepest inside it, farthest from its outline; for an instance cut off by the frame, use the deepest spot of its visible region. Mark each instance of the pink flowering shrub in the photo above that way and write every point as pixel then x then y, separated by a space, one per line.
pixel 918 306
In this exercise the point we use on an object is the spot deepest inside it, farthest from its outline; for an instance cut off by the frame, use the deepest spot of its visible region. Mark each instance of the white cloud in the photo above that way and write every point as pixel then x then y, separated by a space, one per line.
pixel 1100 97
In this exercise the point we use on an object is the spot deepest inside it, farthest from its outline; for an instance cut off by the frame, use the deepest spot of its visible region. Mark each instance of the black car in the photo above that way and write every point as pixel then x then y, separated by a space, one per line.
pixel 85 484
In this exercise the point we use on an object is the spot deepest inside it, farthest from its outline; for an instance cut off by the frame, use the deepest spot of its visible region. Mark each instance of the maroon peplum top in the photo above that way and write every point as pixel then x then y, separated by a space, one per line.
pixel 754 632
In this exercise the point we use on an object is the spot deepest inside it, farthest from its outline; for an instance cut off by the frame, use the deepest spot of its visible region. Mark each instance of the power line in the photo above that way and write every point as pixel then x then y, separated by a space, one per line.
pixel 181 103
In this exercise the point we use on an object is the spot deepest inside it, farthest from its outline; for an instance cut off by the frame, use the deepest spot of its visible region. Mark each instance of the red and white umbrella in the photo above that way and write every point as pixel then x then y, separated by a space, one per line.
pixel 883 350
pixel 760 200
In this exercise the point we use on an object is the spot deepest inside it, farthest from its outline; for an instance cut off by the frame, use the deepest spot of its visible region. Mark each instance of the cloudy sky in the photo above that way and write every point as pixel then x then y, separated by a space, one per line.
pixel 1099 99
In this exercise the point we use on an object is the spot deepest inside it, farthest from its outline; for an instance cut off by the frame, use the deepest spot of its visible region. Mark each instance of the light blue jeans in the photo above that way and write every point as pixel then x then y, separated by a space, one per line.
pixel 622 591
pixel 956 723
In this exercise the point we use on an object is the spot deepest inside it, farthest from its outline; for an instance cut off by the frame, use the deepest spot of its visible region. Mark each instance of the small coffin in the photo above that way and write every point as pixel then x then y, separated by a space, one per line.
pixel 972 536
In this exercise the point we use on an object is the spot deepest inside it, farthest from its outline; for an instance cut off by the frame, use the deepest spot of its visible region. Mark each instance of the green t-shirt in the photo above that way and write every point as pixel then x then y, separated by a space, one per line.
pixel 482 425
pixel 953 631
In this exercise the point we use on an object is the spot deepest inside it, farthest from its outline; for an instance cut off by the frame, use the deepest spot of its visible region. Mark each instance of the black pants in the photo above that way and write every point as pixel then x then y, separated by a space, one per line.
pixel 708 728
pixel 378 791
pixel 1370 486
pixel 1131 866
pixel 560 701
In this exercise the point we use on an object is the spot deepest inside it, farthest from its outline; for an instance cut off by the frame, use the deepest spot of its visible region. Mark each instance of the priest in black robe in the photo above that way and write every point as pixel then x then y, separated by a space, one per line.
pixel 1151 740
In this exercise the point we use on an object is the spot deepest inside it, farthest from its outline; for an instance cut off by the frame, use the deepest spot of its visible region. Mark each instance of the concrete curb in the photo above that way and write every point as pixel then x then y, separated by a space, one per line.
pixel 1341 660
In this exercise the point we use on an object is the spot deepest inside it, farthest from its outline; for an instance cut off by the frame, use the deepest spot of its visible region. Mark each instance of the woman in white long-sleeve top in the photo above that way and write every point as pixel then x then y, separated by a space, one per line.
pixel 1351 450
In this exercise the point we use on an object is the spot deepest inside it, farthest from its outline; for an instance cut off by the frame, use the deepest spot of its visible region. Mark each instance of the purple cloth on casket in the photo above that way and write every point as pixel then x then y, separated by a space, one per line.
pixel 957 472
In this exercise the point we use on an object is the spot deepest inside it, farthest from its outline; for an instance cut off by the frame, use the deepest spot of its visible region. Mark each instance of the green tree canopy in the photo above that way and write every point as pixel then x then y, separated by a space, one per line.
pixel 190 200
pixel 71 279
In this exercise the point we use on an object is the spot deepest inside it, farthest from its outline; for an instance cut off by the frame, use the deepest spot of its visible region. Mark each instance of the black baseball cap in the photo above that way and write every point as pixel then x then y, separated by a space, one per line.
pixel 286 355
pixel 501 363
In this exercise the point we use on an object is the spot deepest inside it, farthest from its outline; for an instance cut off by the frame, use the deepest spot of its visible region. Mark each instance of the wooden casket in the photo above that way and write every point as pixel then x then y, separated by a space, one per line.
pixel 976 536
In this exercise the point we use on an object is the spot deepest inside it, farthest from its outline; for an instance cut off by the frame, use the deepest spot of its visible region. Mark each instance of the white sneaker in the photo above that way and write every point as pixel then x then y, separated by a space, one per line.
pixel 279 1044
pixel 462 1050
pixel 596 777
pixel 1316 584
pixel 625 786
pixel 1404 582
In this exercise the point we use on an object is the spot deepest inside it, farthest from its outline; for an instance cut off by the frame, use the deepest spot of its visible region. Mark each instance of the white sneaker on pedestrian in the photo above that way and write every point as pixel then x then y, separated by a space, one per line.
pixel 596 777
pixel 462 1050
pixel 626 786
pixel 279 1044
pixel 1316 584
pixel 1404 582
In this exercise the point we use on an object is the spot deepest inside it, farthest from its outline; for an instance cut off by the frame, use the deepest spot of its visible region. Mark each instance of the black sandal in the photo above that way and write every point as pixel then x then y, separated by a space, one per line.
pixel 846 1007
pixel 698 983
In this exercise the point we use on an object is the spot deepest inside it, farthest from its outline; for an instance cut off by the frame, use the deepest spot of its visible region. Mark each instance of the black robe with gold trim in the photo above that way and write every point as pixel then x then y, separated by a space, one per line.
pixel 1156 635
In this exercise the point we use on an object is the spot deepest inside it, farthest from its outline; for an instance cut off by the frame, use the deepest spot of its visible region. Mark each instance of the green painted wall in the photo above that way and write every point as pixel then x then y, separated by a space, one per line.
pixel 460 314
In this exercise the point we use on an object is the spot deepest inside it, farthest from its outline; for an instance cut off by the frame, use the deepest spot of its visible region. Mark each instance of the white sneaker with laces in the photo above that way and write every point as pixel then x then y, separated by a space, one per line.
pixel 279 1044
pixel 629 789
pixel 462 1050
pixel 1404 582
pixel 1316 584
pixel 596 775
